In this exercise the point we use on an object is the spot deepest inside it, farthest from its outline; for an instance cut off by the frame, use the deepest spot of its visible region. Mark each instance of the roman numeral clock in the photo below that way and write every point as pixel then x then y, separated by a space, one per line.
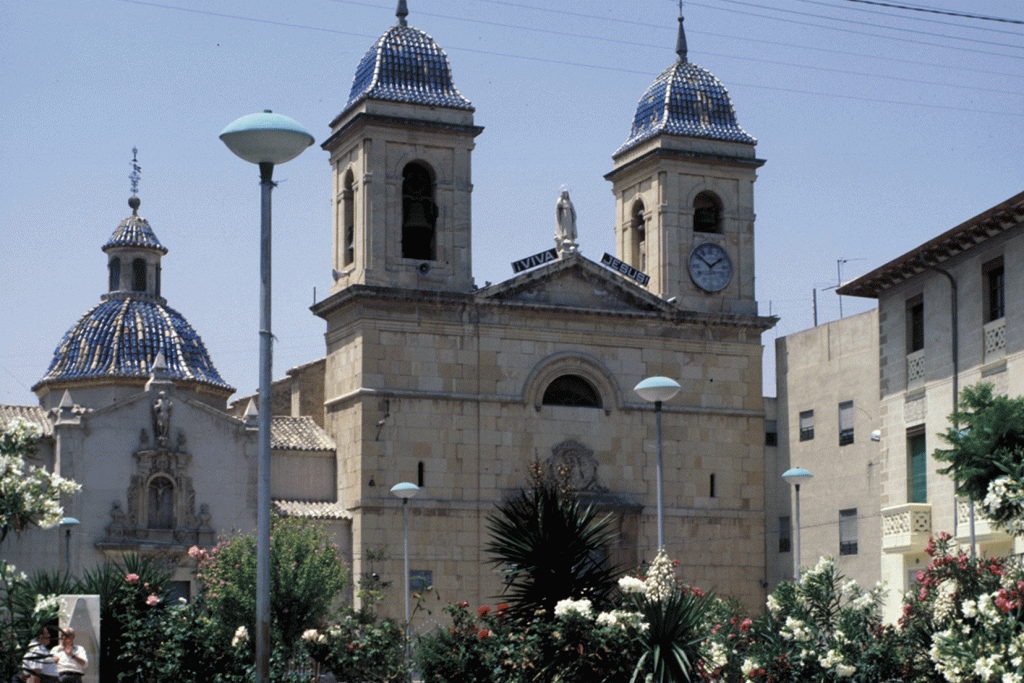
pixel 710 267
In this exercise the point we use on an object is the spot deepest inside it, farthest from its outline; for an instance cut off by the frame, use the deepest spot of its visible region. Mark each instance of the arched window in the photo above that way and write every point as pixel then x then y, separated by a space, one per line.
pixel 348 217
pixel 571 390
pixel 115 274
pixel 419 214
pixel 161 504
pixel 707 213
pixel 139 275
pixel 638 228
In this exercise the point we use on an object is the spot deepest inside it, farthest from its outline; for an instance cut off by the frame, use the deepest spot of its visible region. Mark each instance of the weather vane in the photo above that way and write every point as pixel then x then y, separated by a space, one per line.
pixel 135 175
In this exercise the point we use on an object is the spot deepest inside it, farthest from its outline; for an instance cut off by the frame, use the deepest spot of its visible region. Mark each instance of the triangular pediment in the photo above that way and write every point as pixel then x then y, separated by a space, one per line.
pixel 574 281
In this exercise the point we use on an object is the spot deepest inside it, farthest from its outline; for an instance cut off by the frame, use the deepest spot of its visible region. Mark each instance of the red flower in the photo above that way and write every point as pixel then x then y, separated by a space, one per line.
pixel 483 611
pixel 464 604
pixel 484 633
pixel 745 625
pixel 131 578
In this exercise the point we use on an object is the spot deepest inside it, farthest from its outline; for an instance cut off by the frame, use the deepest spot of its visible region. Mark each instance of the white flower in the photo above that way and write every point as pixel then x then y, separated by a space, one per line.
pixel 845 670
pixel 47 603
pixel 241 636
pixel 969 608
pixel 660 581
pixel 773 605
pixel 569 606
pixel 748 666
pixel 631 584
pixel 311 635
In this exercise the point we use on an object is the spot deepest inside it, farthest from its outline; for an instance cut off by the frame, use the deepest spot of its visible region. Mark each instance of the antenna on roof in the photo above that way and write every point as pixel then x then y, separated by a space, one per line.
pixel 402 13
pixel 681 40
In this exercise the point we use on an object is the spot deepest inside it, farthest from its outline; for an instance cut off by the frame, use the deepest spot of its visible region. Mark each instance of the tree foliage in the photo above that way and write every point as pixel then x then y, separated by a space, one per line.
pixel 306 575
pixel 552 547
pixel 29 495
pixel 986 441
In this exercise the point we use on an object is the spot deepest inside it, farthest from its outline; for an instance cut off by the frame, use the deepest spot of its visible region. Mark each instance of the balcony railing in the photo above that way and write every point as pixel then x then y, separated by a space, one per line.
pixel 906 528
pixel 915 367
pixel 984 530
pixel 995 339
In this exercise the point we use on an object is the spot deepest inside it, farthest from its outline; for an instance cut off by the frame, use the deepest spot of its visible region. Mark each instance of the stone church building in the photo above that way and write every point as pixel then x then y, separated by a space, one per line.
pixel 428 379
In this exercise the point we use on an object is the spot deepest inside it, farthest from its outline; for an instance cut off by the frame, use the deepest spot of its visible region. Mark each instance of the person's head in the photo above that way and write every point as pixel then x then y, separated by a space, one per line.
pixel 44 636
pixel 68 635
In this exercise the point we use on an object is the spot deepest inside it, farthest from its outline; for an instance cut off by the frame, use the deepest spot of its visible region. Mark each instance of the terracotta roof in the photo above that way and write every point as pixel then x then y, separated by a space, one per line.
pixel 312 510
pixel 986 225
pixel 298 434
pixel 30 413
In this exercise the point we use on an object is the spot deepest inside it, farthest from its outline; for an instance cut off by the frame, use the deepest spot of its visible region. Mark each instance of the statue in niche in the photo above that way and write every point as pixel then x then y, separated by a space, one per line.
pixel 565 215
pixel 162 419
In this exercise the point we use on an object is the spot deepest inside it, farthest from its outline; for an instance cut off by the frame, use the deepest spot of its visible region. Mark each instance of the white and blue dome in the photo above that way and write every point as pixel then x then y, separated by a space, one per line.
pixel 685 100
pixel 120 338
pixel 406 65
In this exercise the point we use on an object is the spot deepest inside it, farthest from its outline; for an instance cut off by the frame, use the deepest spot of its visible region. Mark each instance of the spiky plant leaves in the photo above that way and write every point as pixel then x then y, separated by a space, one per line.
pixel 673 636
pixel 552 547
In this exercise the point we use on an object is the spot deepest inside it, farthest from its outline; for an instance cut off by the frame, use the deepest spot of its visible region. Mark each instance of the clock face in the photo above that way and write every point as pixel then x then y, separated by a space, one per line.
pixel 710 267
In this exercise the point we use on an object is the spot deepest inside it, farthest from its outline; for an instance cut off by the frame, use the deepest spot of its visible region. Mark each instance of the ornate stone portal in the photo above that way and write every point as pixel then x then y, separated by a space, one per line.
pixel 161 509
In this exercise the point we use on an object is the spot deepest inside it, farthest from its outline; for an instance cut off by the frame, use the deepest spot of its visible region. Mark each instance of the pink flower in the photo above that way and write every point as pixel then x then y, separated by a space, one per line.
pixel 131 578
pixel 745 625
pixel 152 600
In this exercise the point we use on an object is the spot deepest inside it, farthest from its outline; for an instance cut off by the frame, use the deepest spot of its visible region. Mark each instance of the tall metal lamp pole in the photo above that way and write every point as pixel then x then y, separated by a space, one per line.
pixel 406 490
pixel 265 139
pixel 795 477
pixel 656 390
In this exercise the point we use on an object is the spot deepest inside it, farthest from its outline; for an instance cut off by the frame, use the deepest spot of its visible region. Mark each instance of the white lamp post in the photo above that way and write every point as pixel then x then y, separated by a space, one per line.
pixel 68 523
pixel 405 491
pixel 265 139
pixel 795 477
pixel 656 390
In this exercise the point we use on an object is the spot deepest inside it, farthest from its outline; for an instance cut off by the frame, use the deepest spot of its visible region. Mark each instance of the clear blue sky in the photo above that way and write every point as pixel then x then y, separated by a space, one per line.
pixel 880 128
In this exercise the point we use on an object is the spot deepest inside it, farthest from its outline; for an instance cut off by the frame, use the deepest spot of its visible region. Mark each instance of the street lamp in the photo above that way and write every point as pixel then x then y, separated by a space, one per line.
pixel 265 139
pixel 656 390
pixel 795 477
pixel 405 491
pixel 68 523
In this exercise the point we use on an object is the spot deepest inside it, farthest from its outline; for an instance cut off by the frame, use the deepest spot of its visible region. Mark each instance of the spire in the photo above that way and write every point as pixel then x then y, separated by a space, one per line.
pixel 402 13
pixel 681 40
pixel 134 176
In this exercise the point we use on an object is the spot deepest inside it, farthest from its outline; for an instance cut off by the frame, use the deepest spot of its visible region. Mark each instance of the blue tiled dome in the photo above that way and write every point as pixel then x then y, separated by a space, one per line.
pixel 406 65
pixel 686 100
pixel 134 232
pixel 120 338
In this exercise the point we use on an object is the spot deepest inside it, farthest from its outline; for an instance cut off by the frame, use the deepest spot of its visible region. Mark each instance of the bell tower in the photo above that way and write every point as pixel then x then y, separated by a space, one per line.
pixel 400 160
pixel 684 192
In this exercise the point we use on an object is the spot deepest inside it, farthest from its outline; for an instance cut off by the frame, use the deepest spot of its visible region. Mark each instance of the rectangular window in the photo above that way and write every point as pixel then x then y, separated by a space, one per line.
pixel 915 324
pixel 917 467
pixel 420 580
pixel 784 535
pixel 771 433
pixel 807 425
pixel 848 532
pixel 845 423
pixel 995 298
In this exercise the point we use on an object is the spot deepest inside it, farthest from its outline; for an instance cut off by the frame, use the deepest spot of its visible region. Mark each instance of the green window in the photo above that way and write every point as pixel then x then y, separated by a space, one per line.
pixel 917 472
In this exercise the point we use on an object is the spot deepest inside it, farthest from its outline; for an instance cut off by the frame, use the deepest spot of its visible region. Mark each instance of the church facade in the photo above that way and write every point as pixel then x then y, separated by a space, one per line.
pixel 461 390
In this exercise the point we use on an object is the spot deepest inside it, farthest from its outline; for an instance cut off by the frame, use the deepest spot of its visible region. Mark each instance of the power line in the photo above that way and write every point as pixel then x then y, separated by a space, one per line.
pixel 930 10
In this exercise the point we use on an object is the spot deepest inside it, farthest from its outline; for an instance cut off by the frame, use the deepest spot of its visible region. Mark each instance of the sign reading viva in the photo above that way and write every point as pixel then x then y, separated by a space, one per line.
pixel 629 271
pixel 535 260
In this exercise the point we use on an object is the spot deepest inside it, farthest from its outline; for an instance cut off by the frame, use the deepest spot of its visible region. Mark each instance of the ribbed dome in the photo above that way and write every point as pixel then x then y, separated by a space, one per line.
pixel 686 100
pixel 120 338
pixel 134 231
pixel 406 65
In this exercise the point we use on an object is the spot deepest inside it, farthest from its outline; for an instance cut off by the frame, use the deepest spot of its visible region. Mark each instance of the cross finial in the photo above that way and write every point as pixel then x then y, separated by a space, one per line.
pixel 681 40
pixel 135 175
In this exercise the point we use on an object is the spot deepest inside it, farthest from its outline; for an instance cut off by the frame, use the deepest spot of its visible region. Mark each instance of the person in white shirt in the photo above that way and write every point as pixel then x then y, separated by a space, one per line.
pixel 71 659
pixel 38 664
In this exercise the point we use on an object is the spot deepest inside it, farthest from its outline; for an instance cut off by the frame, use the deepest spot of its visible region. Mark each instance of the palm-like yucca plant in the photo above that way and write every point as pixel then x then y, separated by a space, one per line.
pixel 552 547
pixel 673 636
